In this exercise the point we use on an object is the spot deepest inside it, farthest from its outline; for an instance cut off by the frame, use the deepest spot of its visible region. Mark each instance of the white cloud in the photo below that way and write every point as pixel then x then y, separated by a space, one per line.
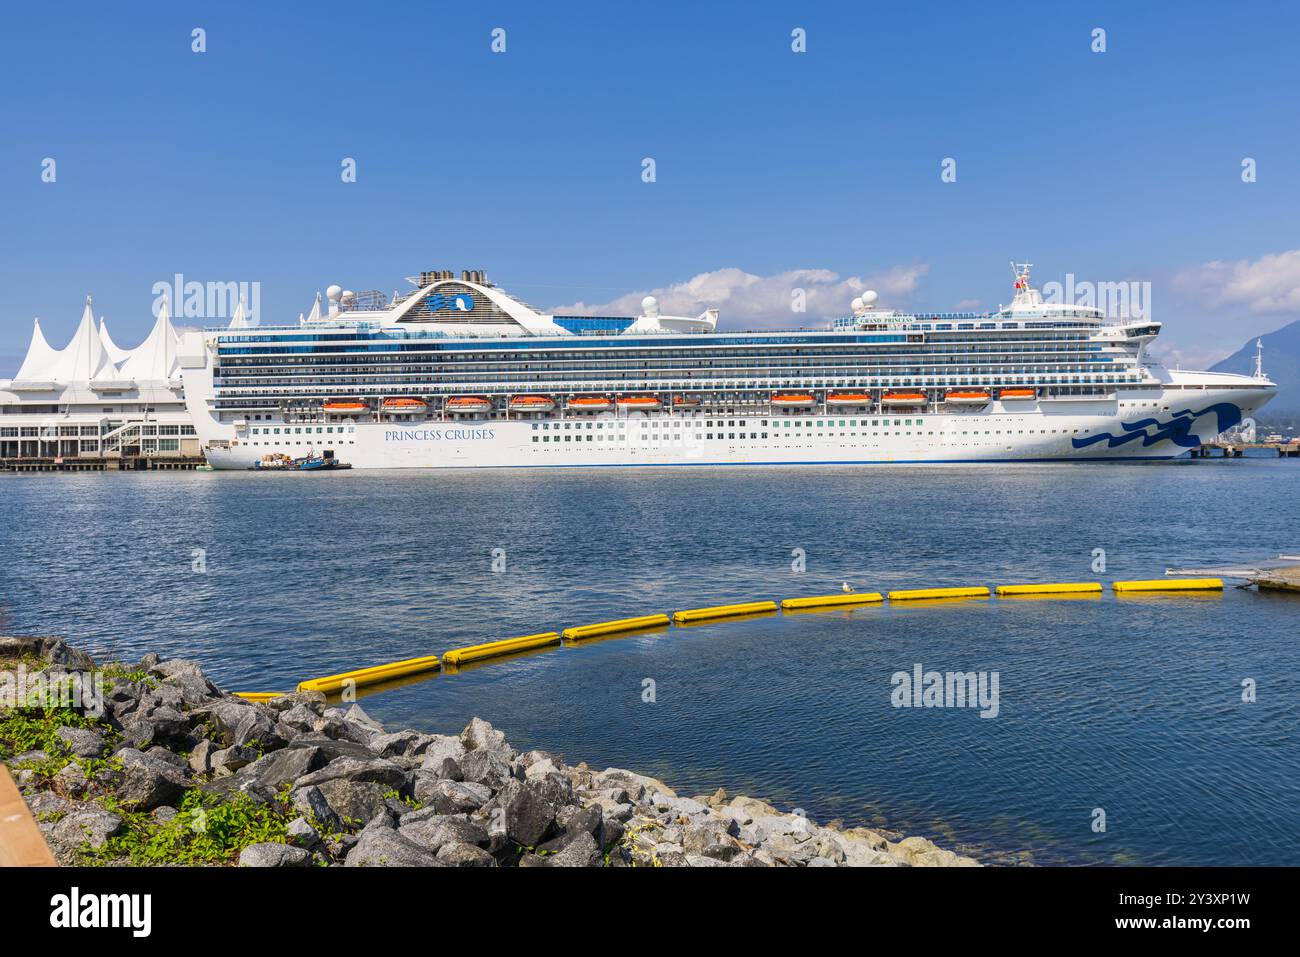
pixel 748 301
pixel 1270 284
pixel 1176 357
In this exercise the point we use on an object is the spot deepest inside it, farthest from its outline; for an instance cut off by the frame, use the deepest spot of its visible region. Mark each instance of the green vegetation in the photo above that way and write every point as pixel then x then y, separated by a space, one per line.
pixel 115 670
pixel 205 831
pixel 410 802
pixel 35 729
pixel 32 662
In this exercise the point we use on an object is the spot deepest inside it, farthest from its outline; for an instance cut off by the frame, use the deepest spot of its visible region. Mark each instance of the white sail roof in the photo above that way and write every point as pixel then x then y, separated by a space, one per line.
pixel 84 359
pixel 240 319
pixel 314 316
pixel 154 360
pixel 115 353
pixel 38 365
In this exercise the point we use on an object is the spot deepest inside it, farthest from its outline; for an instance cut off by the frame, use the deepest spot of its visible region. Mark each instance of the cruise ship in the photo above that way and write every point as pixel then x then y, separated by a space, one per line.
pixel 460 374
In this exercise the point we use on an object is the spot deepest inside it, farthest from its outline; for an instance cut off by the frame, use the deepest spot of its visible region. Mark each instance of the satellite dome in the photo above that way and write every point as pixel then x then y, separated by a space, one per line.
pixel 650 306
pixel 869 298
pixel 348 295
pixel 856 304
pixel 333 292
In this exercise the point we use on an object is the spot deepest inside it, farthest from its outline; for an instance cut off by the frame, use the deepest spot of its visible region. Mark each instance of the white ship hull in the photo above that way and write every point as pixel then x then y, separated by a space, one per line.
pixel 1047 431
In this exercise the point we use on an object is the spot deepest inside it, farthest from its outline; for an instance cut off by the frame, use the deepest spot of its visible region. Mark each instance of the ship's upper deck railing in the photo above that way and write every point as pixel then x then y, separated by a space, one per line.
pixel 895 323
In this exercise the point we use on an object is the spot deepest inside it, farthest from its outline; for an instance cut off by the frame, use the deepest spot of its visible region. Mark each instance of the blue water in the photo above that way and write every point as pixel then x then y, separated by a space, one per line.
pixel 1132 706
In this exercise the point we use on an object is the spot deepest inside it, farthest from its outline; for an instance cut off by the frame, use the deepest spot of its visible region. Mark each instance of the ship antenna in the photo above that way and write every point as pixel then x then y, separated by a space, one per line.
pixel 1259 358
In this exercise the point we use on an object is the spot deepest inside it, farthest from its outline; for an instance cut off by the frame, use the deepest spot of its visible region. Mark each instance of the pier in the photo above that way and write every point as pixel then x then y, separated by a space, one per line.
pixel 1278 579
pixel 122 463
pixel 1271 574
pixel 1235 450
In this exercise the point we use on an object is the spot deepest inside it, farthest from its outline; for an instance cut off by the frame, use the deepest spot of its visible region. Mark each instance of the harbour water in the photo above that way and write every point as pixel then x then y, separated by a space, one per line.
pixel 1133 706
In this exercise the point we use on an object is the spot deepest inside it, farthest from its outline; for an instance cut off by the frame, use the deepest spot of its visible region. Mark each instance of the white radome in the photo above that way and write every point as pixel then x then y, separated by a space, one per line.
pixel 650 306
pixel 333 292
pixel 856 304
pixel 869 298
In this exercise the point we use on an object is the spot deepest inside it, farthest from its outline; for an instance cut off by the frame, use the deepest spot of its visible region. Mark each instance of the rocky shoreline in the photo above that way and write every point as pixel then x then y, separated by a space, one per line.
pixel 177 771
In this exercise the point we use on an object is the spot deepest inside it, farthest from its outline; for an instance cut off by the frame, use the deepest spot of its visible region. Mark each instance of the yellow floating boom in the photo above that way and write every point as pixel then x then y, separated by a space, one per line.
pixel 916 594
pixel 259 695
pixel 1171 584
pixel 723 611
pixel 371 676
pixel 826 601
pixel 616 626
pixel 496 649
pixel 1057 588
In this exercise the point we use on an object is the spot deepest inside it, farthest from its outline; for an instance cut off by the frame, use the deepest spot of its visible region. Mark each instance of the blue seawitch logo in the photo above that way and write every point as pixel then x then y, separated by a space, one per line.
pixel 461 301
pixel 1177 430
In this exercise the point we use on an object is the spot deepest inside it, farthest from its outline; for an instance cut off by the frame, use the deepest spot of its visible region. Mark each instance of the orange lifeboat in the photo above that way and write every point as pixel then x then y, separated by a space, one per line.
pixel 531 403
pixel 468 403
pixel 849 398
pixel 639 403
pixel 793 400
pixel 404 405
pixel 903 398
pixel 968 397
pixel 1005 394
pixel 589 403
pixel 685 402
pixel 345 407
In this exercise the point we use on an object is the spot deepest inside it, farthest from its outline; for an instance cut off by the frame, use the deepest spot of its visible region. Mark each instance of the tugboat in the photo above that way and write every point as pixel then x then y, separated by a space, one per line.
pixel 279 462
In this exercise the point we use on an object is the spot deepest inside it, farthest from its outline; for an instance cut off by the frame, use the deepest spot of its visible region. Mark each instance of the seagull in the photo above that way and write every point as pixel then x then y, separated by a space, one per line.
pixel 846 586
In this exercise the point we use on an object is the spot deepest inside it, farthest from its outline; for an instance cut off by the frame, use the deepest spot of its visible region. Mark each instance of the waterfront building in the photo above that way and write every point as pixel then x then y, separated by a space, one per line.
pixel 93 401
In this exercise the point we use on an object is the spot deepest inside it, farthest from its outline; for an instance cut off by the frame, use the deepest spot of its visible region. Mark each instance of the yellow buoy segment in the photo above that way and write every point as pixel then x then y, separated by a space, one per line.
pixel 614 627
pixel 496 649
pixel 723 611
pixel 1171 584
pixel 825 601
pixel 371 676
pixel 1056 588
pixel 916 594
pixel 259 695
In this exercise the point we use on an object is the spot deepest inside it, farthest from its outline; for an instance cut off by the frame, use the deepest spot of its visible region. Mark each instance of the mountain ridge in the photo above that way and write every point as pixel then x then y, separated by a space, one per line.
pixel 1281 364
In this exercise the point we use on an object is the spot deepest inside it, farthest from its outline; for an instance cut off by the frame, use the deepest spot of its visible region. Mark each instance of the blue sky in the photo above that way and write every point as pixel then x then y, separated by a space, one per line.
pixel 225 165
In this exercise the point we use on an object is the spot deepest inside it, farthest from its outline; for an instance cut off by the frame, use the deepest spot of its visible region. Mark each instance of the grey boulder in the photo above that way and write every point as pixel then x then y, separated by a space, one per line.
pixel 450 797
pixel 433 832
pixel 273 855
pixel 148 782
pixel 372 771
pixel 458 854
pixel 383 847
pixel 83 742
